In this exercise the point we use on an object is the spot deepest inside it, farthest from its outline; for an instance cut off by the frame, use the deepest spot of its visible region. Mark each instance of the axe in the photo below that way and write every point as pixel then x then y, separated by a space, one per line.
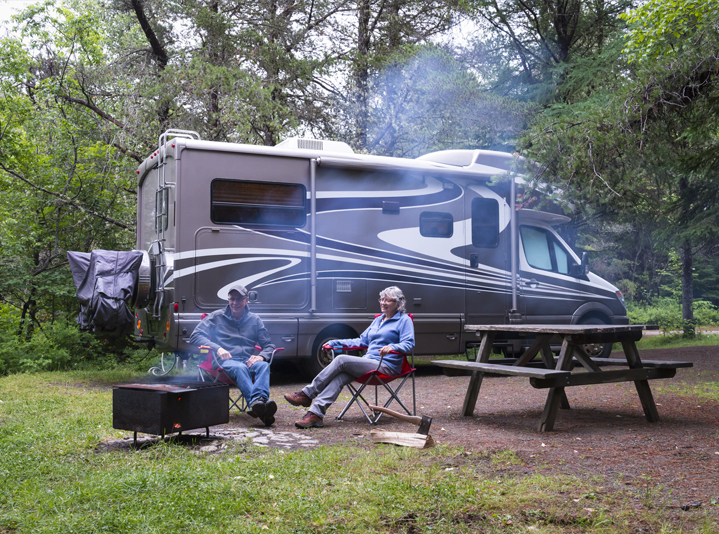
pixel 424 422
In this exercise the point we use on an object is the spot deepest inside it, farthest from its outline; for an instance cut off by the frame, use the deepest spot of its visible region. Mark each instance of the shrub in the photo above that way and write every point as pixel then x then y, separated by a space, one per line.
pixel 667 314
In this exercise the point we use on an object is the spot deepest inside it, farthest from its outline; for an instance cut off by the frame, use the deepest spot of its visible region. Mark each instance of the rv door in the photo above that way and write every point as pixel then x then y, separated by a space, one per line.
pixel 488 294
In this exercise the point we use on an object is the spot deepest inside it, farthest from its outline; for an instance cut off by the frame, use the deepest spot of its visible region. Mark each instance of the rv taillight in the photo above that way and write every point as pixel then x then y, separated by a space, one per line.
pixel 141 333
pixel 136 316
pixel 138 172
pixel 139 324
pixel 177 306
pixel 168 326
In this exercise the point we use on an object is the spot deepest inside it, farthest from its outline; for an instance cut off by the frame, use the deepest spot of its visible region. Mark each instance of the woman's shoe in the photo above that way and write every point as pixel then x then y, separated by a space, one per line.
pixel 310 420
pixel 298 399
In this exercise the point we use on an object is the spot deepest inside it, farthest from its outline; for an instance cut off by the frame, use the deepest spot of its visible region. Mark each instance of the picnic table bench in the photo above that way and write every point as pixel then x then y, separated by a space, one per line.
pixel 555 375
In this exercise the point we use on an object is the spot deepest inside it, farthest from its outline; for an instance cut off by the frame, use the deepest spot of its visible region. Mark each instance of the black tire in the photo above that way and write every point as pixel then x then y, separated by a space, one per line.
pixel 596 350
pixel 312 366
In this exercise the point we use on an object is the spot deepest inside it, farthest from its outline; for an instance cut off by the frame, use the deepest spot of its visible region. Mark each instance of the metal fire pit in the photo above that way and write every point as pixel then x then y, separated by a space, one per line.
pixel 162 409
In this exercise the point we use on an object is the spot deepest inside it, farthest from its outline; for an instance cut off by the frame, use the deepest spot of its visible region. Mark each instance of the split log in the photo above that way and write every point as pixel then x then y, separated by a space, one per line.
pixel 404 439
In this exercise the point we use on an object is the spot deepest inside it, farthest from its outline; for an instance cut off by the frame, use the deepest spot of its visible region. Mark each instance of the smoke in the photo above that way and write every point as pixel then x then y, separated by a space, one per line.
pixel 429 101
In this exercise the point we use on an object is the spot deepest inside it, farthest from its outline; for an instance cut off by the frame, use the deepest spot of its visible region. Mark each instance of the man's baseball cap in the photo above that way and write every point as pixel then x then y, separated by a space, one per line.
pixel 242 290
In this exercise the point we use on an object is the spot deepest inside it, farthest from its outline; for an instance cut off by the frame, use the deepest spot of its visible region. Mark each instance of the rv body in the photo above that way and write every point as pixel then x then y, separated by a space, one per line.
pixel 315 232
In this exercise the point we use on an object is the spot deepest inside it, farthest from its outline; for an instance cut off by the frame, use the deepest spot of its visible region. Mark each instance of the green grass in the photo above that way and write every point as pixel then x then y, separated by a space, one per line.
pixel 673 341
pixel 55 478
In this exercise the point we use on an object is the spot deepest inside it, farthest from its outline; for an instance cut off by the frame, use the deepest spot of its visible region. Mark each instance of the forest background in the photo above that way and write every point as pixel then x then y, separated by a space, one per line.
pixel 615 100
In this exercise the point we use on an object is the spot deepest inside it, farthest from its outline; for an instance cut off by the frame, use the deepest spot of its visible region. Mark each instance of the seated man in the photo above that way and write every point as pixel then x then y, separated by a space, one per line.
pixel 233 333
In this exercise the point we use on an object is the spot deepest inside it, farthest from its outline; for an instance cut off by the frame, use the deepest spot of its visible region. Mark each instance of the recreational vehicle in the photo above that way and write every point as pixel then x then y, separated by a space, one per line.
pixel 315 231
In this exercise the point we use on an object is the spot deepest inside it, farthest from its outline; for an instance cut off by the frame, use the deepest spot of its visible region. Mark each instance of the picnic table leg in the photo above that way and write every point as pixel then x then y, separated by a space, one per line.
pixel 475 382
pixel 555 395
pixel 548 359
pixel 643 389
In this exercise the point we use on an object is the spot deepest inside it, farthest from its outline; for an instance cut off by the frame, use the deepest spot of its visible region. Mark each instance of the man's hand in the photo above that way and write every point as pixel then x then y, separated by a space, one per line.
pixel 254 359
pixel 223 355
pixel 384 351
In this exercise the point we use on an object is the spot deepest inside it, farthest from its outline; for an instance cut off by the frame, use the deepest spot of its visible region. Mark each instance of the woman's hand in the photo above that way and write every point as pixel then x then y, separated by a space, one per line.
pixel 384 351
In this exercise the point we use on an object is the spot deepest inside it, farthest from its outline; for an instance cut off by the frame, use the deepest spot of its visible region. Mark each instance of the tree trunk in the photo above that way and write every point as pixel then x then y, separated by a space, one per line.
pixel 361 75
pixel 687 289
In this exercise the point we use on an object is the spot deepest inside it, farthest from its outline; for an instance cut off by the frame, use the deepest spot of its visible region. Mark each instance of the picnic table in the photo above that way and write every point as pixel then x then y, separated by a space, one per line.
pixel 557 374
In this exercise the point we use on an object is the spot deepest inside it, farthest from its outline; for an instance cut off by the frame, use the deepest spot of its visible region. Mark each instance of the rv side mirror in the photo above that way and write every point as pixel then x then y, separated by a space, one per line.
pixel 583 268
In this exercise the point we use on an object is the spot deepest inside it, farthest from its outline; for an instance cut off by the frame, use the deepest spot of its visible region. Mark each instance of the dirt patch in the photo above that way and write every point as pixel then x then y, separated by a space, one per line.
pixel 604 433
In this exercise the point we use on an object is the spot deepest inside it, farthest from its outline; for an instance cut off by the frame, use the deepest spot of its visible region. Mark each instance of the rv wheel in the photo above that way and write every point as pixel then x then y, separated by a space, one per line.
pixel 596 350
pixel 320 359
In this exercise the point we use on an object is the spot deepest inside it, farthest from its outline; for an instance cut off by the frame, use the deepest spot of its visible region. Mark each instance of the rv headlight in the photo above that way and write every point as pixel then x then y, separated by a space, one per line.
pixel 621 298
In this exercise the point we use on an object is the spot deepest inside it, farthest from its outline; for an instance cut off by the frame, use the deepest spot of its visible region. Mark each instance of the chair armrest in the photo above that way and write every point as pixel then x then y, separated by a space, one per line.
pixel 204 349
pixel 272 356
pixel 341 349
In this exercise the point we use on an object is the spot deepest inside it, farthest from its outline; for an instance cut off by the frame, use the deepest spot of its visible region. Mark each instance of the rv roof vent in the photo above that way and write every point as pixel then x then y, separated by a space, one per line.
pixel 492 158
pixel 309 144
pixel 298 143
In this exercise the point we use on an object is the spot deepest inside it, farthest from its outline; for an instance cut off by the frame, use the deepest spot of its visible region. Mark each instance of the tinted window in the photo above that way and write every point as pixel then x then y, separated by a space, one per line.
pixel 161 209
pixel 485 222
pixel 544 251
pixel 436 224
pixel 258 203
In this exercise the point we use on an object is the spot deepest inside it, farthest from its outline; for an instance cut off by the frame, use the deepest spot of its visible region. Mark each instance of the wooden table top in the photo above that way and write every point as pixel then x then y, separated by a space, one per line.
pixel 556 328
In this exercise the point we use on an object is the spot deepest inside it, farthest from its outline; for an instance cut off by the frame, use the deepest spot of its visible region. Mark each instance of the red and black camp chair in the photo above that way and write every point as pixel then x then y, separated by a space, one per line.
pixel 376 378
pixel 210 369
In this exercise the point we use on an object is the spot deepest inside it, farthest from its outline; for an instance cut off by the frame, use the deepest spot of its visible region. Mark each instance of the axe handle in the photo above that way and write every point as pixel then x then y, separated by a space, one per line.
pixel 409 418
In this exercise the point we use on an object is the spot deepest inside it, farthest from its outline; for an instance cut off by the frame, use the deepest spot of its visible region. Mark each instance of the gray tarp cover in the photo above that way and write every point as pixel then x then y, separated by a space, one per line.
pixel 105 281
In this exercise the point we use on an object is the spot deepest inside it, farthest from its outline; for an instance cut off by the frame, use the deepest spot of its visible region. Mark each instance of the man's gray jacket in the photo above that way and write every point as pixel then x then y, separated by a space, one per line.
pixel 219 329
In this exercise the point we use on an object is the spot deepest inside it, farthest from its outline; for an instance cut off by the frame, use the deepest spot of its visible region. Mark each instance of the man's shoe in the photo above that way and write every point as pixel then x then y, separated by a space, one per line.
pixel 310 420
pixel 269 416
pixel 257 410
pixel 298 399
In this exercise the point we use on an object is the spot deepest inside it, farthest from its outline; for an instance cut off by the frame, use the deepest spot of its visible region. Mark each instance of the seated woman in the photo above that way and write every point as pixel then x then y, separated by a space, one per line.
pixel 392 331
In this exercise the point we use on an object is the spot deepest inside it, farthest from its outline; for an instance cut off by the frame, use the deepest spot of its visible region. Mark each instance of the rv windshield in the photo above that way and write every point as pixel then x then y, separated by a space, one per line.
pixel 543 251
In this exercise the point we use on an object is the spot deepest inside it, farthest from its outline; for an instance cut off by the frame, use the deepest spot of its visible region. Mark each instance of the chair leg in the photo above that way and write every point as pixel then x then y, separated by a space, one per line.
pixel 356 397
pixel 394 397
pixel 240 403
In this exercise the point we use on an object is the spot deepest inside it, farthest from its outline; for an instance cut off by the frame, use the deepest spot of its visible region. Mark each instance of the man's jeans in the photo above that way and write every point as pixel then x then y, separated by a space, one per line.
pixel 327 385
pixel 244 376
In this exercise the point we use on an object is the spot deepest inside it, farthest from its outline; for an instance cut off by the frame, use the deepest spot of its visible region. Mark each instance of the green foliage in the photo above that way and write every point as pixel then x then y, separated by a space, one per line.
pixel 666 313
pixel 62 346
pixel 668 27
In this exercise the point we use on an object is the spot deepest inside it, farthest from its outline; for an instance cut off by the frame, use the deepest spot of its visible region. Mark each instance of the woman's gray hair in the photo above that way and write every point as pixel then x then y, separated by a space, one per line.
pixel 394 293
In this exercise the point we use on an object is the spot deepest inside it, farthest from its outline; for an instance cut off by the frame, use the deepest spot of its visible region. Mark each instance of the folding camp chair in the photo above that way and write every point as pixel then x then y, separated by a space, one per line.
pixel 376 378
pixel 210 369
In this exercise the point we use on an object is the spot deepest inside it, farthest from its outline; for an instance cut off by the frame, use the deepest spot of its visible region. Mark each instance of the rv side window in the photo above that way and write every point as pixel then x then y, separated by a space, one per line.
pixel 436 224
pixel 161 201
pixel 543 251
pixel 258 203
pixel 485 222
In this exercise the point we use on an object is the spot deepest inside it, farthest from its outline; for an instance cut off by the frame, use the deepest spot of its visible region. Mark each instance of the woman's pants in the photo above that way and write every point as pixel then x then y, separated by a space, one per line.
pixel 327 385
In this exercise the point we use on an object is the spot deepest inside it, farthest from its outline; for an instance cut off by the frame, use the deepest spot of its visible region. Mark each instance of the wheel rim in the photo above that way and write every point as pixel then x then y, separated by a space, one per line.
pixel 593 349
pixel 324 358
